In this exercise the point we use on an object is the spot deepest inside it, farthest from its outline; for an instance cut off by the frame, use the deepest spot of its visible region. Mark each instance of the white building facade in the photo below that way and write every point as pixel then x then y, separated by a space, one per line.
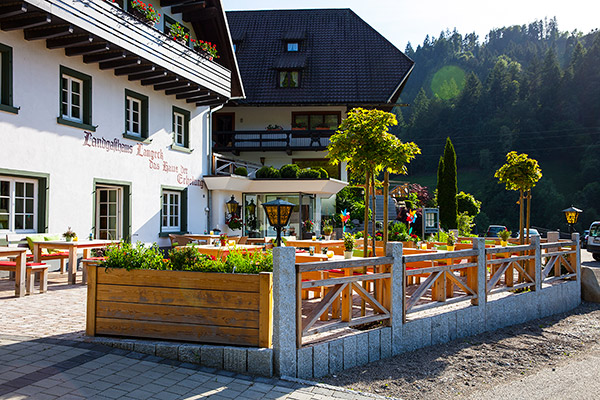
pixel 105 121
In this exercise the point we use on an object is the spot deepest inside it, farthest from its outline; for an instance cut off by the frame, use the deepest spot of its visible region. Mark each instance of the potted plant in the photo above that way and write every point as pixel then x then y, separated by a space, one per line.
pixel 348 245
pixel 69 234
pixel 145 12
pixel 178 33
pixel 299 126
pixel 234 223
pixel 206 48
pixel 308 229
pixel 504 235
pixel 274 127
pixel 450 241
pixel 223 239
pixel 327 230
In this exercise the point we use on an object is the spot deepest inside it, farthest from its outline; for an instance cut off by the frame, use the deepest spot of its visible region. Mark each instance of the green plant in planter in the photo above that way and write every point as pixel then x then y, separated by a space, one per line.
pixel 242 171
pixel 268 173
pixel 178 32
pixel 451 239
pixel 207 47
pixel 69 234
pixel 129 256
pixel 349 241
pixel 145 10
pixel 274 127
pixel 327 229
pixel 289 171
pixel 323 172
pixel 504 235
pixel 308 173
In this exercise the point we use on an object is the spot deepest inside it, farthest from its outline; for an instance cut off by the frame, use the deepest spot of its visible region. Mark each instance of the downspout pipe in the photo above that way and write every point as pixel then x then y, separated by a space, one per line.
pixel 209 156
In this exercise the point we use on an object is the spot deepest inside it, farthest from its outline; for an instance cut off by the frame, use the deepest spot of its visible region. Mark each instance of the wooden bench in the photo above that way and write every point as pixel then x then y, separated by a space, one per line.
pixel 15 240
pixel 32 269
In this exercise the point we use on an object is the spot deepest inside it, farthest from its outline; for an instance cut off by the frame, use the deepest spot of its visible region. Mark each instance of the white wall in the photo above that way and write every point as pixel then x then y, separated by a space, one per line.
pixel 33 141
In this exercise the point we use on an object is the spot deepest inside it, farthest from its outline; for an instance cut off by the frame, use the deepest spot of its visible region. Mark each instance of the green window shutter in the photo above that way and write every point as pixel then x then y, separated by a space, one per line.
pixel 184 210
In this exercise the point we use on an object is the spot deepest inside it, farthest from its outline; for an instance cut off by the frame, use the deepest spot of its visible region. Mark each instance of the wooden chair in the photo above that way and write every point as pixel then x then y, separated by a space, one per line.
pixel 243 240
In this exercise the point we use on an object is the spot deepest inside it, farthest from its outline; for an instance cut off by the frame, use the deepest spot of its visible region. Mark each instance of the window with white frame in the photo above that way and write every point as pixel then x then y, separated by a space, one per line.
pixel 133 113
pixel 71 98
pixel 171 211
pixel 179 128
pixel 18 204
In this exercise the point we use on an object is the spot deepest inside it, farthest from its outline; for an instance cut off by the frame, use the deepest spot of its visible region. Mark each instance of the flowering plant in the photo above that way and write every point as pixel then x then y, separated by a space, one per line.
pixel 308 225
pixel 147 10
pixel 234 222
pixel 178 32
pixel 208 47
pixel 414 238
pixel 69 234
pixel 349 241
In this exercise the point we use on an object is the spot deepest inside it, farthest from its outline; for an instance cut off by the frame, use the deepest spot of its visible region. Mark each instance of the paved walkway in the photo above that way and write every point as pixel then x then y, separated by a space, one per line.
pixel 43 355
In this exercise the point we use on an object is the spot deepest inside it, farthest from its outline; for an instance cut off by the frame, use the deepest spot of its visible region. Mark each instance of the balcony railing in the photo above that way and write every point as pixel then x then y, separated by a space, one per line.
pixel 275 140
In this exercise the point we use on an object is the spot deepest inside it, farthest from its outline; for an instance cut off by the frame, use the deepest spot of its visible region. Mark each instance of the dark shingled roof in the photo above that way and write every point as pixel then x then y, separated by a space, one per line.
pixel 342 59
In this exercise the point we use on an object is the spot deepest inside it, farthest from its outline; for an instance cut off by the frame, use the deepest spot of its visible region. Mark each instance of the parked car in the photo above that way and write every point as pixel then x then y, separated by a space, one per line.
pixel 583 238
pixel 532 232
pixel 593 240
pixel 493 230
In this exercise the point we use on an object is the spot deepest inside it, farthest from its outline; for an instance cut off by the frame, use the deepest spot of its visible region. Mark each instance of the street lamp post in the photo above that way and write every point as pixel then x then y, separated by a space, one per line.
pixel 572 214
pixel 278 213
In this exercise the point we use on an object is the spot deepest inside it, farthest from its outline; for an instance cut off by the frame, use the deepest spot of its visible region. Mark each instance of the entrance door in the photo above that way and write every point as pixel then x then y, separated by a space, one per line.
pixel 109 212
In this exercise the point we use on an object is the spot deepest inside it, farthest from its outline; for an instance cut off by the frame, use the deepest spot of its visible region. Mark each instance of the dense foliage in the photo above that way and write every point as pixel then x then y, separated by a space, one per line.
pixel 446 187
pixel 529 88
pixel 188 258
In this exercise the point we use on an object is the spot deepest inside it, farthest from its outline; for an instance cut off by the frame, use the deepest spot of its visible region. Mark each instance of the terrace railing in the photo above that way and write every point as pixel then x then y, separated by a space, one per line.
pixel 558 260
pixel 272 140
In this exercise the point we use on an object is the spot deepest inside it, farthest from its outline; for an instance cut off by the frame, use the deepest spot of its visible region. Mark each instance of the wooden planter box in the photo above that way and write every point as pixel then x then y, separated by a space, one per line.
pixel 229 309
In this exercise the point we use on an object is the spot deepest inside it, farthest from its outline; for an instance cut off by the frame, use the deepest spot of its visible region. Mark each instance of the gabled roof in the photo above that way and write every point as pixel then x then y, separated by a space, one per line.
pixel 342 59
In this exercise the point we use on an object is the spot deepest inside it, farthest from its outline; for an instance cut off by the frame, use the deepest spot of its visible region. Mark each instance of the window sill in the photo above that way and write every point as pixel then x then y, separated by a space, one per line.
pixel 166 234
pixel 180 148
pixel 9 109
pixel 74 124
pixel 137 138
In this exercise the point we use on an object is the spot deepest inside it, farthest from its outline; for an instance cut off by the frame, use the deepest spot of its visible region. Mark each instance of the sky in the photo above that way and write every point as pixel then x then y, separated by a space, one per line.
pixel 402 21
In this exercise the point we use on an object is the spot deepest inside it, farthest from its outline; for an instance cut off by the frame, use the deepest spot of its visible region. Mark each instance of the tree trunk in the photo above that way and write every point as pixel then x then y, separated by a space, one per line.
pixel 366 217
pixel 386 198
pixel 374 213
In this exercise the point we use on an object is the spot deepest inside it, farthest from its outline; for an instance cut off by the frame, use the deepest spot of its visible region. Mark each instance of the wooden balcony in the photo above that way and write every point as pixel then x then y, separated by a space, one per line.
pixel 275 140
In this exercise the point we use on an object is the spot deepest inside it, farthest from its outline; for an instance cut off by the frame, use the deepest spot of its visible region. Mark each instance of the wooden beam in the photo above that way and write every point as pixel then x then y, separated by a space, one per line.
pixel 196 93
pixel 147 75
pixel 198 98
pixel 68 41
pixel 48 32
pixel 28 21
pixel 125 62
pixel 183 8
pixel 134 69
pixel 10 10
pixel 170 3
pixel 182 89
pixel 89 49
pixel 93 58
pixel 171 85
pixel 154 81
pixel 211 102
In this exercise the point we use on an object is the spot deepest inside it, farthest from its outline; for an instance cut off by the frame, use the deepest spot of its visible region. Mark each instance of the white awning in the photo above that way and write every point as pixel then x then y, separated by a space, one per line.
pixel 325 187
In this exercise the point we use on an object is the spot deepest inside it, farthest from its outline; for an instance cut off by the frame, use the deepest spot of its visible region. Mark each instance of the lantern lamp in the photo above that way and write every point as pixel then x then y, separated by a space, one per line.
pixel 232 206
pixel 278 213
pixel 572 214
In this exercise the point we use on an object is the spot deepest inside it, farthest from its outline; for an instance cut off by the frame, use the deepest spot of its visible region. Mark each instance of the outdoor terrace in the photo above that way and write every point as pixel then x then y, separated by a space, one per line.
pixel 271 140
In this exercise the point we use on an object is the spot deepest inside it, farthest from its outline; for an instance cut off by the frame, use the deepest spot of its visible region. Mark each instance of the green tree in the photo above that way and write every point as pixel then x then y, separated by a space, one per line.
pixel 447 187
pixel 520 173
pixel 468 204
pixel 363 141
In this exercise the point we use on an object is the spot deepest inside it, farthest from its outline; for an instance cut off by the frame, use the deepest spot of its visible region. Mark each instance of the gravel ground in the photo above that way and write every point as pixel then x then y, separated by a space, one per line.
pixel 464 367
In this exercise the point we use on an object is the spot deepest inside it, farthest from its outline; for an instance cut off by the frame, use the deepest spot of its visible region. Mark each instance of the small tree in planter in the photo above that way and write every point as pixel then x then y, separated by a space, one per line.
pixel 504 235
pixel 349 241
pixel 450 241
pixel 327 230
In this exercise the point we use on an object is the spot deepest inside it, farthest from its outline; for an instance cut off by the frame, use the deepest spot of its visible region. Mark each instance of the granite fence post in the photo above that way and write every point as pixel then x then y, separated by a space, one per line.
pixel 575 238
pixel 284 311
pixel 479 245
pixel 394 249
pixel 535 240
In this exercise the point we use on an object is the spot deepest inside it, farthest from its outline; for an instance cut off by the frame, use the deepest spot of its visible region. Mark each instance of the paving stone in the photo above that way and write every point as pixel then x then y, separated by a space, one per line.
pixel 304 363
pixel 320 360
pixel 212 356
pixel 336 356
pixel 374 345
pixel 260 362
pixel 349 352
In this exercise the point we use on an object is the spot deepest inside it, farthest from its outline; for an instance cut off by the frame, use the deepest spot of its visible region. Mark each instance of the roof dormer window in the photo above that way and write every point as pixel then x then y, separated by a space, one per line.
pixel 288 79
pixel 293 46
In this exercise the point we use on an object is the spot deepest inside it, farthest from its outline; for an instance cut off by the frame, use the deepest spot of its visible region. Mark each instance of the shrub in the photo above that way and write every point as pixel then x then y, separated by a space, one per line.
pixel 289 171
pixel 126 255
pixel 267 173
pixel 242 171
pixel 308 173
pixel 324 174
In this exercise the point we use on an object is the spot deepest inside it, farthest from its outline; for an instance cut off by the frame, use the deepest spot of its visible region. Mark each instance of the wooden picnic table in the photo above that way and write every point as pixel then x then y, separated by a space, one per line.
pixel 318 244
pixel 72 248
pixel 20 268
pixel 196 236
